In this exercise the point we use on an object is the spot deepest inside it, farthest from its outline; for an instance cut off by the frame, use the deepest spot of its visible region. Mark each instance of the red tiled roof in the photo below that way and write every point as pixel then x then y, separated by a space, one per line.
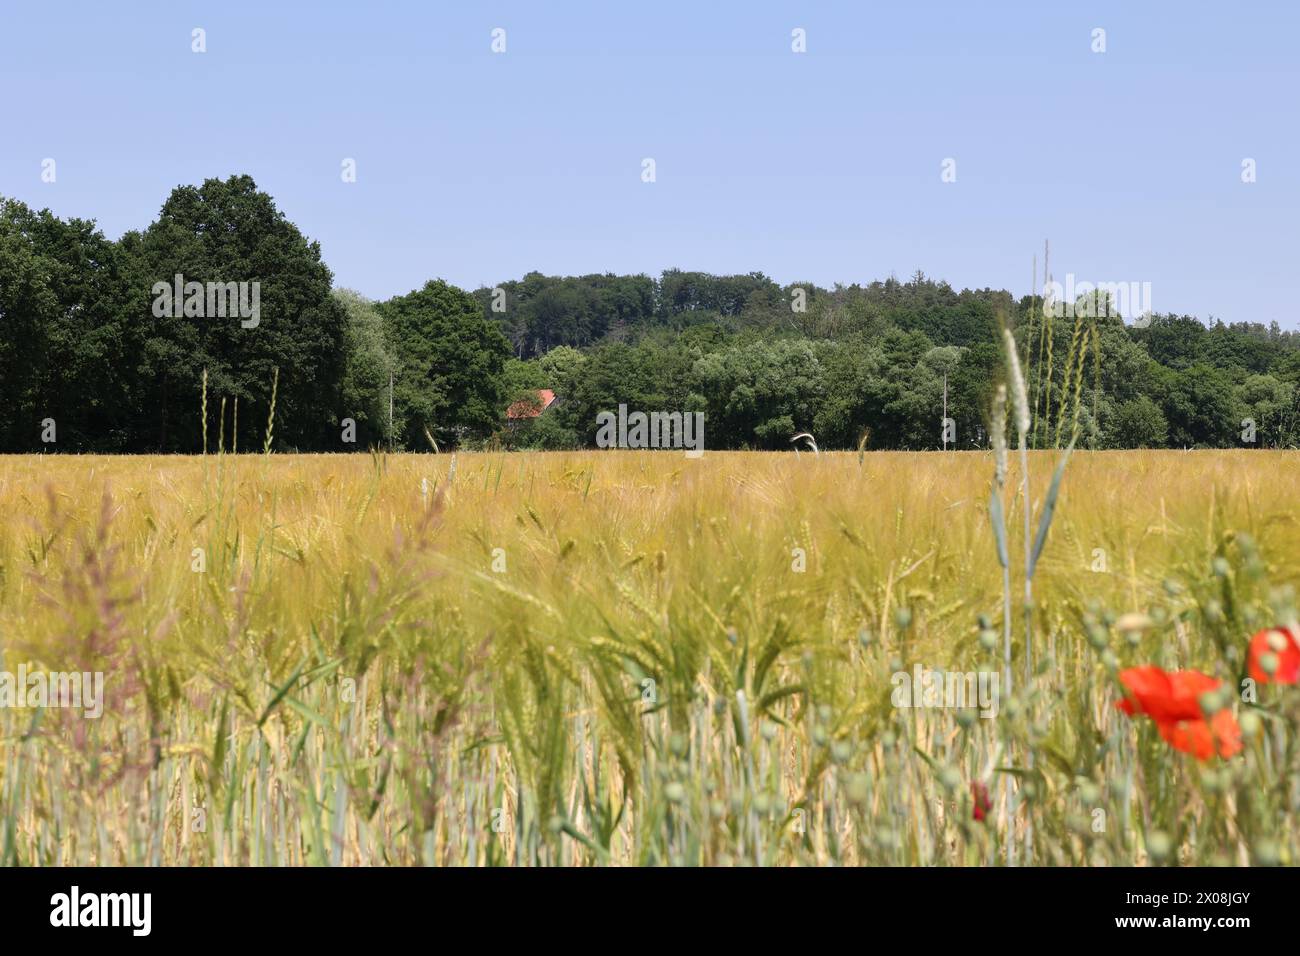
pixel 528 409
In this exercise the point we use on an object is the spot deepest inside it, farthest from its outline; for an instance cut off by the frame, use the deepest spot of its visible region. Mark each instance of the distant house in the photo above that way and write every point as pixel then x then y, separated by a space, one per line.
pixel 525 409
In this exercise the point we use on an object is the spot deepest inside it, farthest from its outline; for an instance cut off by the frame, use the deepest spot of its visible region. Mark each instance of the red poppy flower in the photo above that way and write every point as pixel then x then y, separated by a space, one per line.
pixel 1282 644
pixel 1172 700
pixel 979 794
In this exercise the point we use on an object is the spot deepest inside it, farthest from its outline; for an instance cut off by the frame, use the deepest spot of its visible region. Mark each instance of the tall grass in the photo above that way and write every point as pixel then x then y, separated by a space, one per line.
pixel 608 658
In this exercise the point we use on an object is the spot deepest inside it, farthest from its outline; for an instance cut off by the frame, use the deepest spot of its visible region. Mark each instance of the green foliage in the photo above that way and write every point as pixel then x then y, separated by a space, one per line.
pixel 1202 406
pixel 228 231
pixel 370 359
pixel 1137 423
pixel 449 366
pixel 69 340
pixel 79 343
pixel 546 432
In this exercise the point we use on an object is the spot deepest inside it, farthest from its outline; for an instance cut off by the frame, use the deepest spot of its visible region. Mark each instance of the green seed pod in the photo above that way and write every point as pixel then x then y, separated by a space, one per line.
pixel 675 792
pixel 1267 853
pixel 950 779
pixel 1159 845
pixel 859 788
pixel 988 639
pixel 1249 723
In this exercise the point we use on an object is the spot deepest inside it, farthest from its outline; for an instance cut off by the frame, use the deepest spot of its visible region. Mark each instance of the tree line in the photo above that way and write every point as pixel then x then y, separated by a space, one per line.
pixel 90 363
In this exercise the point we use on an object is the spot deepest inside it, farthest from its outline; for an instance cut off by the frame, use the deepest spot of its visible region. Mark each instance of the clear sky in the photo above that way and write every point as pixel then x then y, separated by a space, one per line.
pixel 825 166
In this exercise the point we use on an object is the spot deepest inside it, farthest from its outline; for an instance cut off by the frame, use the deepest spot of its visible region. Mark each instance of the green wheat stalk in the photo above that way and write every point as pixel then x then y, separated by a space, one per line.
pixel 270 418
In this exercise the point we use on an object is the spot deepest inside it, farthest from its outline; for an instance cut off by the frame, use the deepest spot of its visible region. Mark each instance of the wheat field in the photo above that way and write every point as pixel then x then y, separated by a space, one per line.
pixel 635 658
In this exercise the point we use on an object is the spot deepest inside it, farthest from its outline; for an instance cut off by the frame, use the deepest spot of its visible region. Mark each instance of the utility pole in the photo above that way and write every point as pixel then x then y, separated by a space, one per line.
pixel 945 411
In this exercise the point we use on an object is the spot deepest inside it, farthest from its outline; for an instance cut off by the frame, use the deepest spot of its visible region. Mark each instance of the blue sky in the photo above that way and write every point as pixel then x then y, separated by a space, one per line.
pixel 824 166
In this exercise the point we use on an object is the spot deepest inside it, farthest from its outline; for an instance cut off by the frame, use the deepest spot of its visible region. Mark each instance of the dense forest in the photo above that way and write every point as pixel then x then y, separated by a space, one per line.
pixel 89 362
